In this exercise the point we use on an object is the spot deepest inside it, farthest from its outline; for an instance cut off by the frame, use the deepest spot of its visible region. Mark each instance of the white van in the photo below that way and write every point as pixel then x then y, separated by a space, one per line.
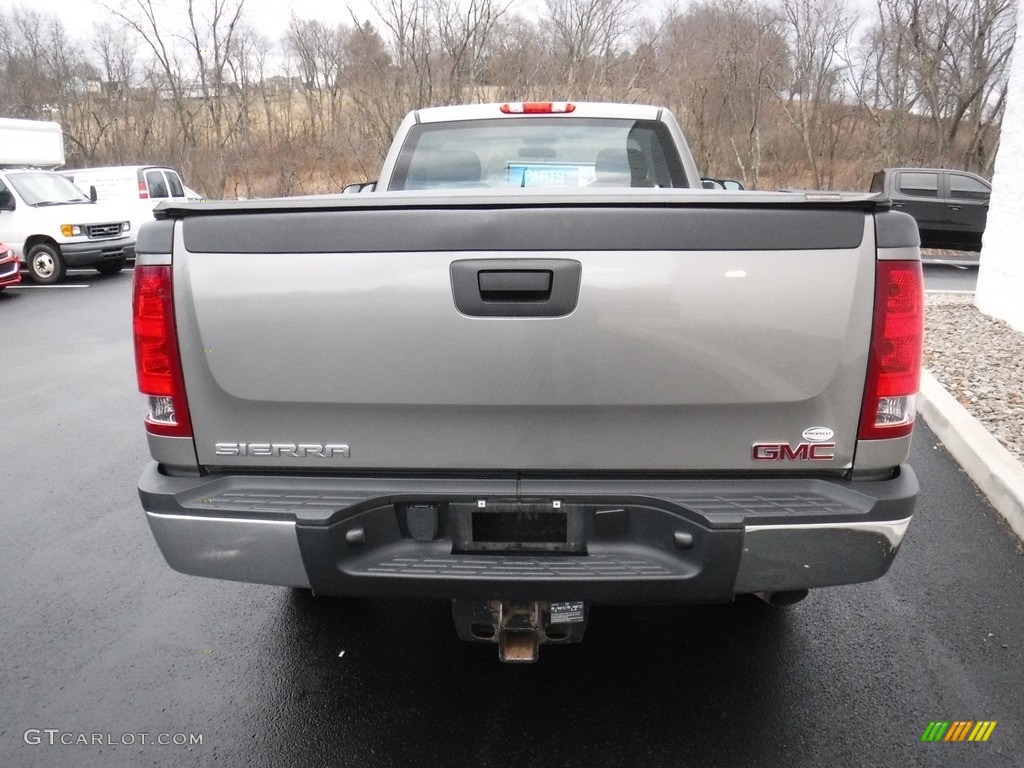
pixel 48 222
pixel 141 187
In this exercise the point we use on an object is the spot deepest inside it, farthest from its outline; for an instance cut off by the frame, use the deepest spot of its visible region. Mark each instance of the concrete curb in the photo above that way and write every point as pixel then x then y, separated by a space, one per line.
pixel 993 468
pixel 951 263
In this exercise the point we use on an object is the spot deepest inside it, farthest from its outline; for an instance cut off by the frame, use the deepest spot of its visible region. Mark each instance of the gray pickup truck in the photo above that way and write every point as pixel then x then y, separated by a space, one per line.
pixel 949 206
pixel 538 369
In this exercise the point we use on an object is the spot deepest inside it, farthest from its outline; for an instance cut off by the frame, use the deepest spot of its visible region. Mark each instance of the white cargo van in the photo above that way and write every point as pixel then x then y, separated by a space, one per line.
pixel 139 187
pixel 47 220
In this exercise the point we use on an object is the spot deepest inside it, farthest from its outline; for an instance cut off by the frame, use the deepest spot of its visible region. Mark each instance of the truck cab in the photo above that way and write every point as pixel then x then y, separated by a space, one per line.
pixel 539 145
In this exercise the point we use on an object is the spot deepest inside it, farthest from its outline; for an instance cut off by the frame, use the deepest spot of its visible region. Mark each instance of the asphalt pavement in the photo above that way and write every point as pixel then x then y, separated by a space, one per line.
pixel 944 276
pixel 104 643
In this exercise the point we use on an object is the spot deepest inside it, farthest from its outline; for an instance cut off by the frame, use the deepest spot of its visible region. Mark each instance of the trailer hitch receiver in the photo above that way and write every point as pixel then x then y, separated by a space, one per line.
pixel 519 627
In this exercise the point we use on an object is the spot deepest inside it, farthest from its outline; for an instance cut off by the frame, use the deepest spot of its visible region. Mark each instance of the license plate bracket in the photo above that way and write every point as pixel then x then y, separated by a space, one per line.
pixel 518 527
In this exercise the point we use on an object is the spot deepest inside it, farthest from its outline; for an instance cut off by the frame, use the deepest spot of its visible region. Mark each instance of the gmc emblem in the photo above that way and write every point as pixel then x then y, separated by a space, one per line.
pixel 800 452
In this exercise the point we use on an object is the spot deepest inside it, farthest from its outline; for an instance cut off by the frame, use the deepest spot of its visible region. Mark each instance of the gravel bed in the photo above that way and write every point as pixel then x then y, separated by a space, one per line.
pixel 980 361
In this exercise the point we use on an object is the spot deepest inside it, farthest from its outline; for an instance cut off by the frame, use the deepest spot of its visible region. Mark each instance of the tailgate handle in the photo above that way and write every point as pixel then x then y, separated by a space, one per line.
pixel 515 287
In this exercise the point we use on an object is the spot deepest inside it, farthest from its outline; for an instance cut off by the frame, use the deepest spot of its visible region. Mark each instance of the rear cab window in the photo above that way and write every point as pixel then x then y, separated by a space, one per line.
pixel 919 184
pixel 538 152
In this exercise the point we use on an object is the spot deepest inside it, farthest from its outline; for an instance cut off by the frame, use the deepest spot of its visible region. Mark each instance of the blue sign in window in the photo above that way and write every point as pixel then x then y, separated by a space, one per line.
pixel 549 175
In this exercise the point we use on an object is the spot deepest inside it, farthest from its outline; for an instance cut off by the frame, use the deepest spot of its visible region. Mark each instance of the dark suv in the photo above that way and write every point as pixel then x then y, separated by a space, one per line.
pixel 950 206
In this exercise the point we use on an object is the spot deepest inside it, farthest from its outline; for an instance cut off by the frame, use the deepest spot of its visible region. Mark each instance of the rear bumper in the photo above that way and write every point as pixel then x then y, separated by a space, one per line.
pixel 680 541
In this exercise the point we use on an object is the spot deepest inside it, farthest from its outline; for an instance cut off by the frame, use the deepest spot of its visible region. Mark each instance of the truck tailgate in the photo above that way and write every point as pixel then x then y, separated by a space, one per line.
pixel 695 332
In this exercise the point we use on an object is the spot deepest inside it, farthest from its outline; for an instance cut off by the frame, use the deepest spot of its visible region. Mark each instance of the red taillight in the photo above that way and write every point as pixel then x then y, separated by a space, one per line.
pixel 894 362
pixel 157 363
pixel 143 191
pixel 538 108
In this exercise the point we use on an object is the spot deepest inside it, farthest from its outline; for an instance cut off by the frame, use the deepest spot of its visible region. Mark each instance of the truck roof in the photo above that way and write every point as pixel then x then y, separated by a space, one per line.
pixel 580 109
pixel 115 169
pixel 917 168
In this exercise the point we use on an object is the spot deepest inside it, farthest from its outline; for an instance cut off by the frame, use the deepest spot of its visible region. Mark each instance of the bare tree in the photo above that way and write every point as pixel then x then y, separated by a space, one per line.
pixel 719 64
pixel 933 79
pixel 42 69
pixel 409 31
pixel 519 61
pixel 884 84
pixel 768 91
pixel 319 51
pixel 960 56
pixel 586 36
pixel 464 30
pixel 818 34
pixel 105 119
pixel 380 96
pixel 192 59
pixel 249 140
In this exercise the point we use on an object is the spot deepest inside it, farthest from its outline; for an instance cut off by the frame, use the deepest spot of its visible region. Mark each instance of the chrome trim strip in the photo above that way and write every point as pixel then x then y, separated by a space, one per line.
pixel 906 253
pixel 178 453
pixel 152 259
pixel 803 556
pixel 893 530
pixel 236 549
